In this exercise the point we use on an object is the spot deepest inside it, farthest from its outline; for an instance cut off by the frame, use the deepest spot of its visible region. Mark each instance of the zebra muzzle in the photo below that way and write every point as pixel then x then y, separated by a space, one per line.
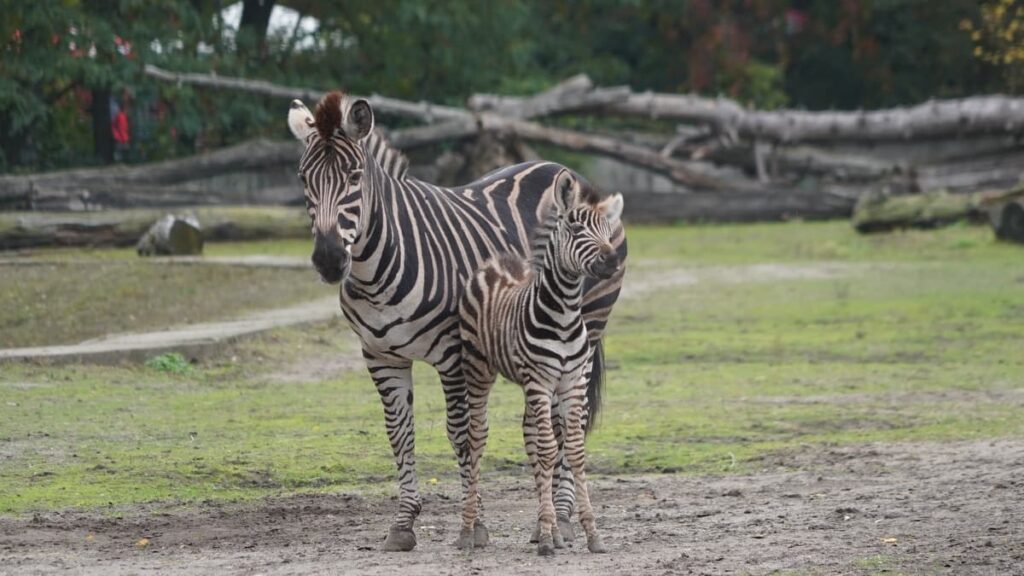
pixel 605 266
pixel 331 258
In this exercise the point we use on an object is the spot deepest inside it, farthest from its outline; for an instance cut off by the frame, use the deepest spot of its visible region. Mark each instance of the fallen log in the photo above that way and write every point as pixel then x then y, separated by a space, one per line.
pixel 934 119
pixel 880 213
pixel 124 227
pixel 666 208
pixel 87 188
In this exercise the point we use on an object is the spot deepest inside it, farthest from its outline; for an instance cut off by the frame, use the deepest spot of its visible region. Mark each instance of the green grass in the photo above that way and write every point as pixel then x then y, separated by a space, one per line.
pixel 920 342
pixel 102 293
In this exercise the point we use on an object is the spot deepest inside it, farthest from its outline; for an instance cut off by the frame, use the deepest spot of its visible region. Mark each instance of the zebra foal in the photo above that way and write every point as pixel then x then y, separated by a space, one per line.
pixel 523 319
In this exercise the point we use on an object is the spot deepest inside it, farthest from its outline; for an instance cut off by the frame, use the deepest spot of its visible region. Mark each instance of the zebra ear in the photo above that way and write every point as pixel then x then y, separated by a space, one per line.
pixel 566 192
pixel 612 208
pixel 358 121
pixel 300 121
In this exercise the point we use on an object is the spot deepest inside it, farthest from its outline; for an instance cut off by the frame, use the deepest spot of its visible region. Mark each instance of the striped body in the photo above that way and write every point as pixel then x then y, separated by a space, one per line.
pixel 523 319
pixel 402 250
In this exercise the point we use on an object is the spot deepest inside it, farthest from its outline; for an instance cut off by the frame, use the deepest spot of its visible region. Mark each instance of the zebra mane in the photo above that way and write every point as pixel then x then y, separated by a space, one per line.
pixel 390 159
pixel 540 238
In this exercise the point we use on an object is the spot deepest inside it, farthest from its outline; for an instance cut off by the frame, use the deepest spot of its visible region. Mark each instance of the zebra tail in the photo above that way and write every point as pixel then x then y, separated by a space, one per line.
pixel 595 388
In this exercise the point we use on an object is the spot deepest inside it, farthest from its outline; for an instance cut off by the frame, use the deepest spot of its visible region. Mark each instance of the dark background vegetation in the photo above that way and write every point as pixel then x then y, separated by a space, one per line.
pixel 63 61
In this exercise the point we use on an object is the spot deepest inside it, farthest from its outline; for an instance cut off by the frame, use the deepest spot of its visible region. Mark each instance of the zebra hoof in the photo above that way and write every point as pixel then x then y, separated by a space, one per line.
pixel 565 529
pixel 535 537
pixel 480 535
pixel 545 546
pixel 596 545
pixel 400 539
pixel 466 540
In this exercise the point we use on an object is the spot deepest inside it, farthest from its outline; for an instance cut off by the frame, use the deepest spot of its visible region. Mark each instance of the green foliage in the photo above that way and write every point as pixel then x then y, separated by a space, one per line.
pixel 171 363
pixel 852 54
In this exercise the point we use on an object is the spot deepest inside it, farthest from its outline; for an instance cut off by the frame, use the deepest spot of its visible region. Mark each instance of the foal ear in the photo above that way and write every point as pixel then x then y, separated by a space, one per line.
pixel 358 119
pixel 300 120
pixel 611 207
pixel 566 192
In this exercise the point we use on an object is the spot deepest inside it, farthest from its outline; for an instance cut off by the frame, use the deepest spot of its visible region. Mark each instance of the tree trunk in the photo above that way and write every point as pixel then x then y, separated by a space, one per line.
pixel 172 235
pixel 102 137
pixel 252 30
pixel 666 208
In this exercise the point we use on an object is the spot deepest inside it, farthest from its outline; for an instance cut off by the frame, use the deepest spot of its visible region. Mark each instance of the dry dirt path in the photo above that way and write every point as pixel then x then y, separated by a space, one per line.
pixel 913 508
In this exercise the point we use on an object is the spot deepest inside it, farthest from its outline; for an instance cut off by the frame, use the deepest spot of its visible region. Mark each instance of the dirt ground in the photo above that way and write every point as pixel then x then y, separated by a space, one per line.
pixel 913 508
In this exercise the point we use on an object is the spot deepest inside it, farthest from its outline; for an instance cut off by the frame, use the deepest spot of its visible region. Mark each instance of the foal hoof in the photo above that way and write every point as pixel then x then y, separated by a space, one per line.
pixel 565 528
pixel 466 540
pixel 545 546
pixel 556 538
pixel 480 535
pixel 595 545
pixel 400 539
pixel 535 537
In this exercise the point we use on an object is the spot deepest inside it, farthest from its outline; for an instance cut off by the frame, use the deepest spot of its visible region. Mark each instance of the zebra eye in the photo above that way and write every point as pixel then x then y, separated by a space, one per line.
pixel 354 178
pixel 577 228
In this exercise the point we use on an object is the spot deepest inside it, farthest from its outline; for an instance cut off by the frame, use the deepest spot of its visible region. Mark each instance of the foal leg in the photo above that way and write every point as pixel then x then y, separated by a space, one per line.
pixel 538 398
pixel 564 491
pixel 530 440
pixel 479 381
pixel 575 452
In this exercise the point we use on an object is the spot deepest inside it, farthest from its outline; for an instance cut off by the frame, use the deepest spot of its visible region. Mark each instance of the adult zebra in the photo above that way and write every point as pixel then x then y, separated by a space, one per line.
pixel 402 250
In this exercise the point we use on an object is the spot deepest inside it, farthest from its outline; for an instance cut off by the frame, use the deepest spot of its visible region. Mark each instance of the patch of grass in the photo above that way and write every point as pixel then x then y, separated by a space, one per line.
pixel 172 363
pixel 66 303
pixel 923 343
pixel 878 565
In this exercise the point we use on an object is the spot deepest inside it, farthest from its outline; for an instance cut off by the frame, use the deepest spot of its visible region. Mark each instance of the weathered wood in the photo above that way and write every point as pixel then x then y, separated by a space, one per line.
pixel 571 95
pixel 997 170
pixel 653 207
pixel 690 174
pixel 939 118
pixel 879 213
pixel 85 188
pixel 423 111
pixel 124 227
pixel 172 235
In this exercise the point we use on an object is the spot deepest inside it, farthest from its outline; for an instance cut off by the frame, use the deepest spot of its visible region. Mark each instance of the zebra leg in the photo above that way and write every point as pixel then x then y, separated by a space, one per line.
pixel 539 400
pixel 575 452
pixel 457 424
pixel 393 378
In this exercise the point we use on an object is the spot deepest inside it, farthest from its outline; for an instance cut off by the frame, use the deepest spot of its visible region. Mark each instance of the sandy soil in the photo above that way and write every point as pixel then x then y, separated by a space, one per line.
pixel 924 508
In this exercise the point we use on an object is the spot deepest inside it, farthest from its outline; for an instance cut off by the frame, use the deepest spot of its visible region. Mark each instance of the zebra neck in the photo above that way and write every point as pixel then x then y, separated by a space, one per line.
pixel 559 291
pixel 378 230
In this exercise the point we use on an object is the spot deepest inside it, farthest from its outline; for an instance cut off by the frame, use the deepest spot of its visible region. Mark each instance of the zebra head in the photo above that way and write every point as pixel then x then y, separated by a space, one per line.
pixel 331 170
pixel 581 239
